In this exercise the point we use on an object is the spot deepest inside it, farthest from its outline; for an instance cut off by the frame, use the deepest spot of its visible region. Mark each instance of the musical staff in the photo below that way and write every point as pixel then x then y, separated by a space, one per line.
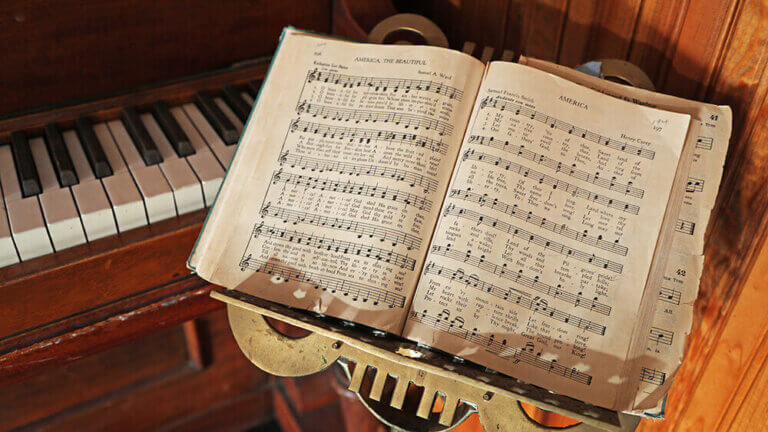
pixel 360 228
pixel 354 169
pixel 557 292
pixel 685 226
pixel 558 166
pixel 661 336
pixel 670 295
pixel 545 179
pixel 694 185
pixel 373 191
pixel 413 121
pixel 385 84
pixel 535 304
pixel 530 217
pixel 333 245
pixel 704 143
pixel 452 210
pixel 566 127
pixel 652 376
pixel 355 291
pixel 500 348
pixel 368 135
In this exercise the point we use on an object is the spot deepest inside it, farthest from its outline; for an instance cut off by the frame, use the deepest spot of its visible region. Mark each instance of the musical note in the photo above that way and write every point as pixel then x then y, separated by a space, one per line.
pixel 412 121
pixel 360 228
pixel 385 84
pixel 511 295
pixel 533 283
pixel 652 376
pixel 694 185
pixel 685 226
pixel 660 335
pixel 373 191
pixel 670 295
pixel 704 143
pixel 536 239
pixel 527 216
pixel 567 127
pixel 500 348
pixel 355 291
pixel 571 170
pixel 368 135
pixel 322 165
pixel 339 246
pixel 575 191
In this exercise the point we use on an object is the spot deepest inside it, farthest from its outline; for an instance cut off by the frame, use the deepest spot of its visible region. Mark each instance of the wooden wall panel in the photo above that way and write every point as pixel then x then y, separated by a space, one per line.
pixel 577 33
pixel 658 29
pixel 541 26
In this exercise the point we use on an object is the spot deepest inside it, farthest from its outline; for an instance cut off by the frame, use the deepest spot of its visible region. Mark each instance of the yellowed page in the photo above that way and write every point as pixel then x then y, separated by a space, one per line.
pixel 674 306
pixel 337 182
pixel 548 233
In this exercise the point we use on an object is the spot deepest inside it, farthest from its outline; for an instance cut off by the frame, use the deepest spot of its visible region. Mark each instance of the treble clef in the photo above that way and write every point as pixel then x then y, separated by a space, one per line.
pixel 283 157
pixel 302 107
pixel 245 262
pixel 485 102
pixel 294 125
pixel 264 210
pixel 257 230
pixel 276 176
pixel 312 76
pixel 466 154
pixel 448 209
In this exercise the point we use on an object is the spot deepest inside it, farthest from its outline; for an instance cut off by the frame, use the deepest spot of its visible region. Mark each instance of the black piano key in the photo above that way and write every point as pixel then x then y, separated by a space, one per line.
pixel 26 170
pixel 141 139
pixel 216 118
pixel 57 150
pixel 173 131
pixel 93 151
pixel 236 102
pixel 253 88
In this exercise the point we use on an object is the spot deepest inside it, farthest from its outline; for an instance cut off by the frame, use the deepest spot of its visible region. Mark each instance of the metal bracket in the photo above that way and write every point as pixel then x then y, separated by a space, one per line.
pixel 465 387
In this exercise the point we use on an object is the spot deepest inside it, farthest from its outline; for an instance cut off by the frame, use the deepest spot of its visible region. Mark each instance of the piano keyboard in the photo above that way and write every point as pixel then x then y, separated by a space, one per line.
pixel 70 186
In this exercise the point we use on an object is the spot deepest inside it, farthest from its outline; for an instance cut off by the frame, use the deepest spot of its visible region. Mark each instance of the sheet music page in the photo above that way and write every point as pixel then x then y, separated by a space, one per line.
pixel 548 233
pixel 674 306
pixel 337 183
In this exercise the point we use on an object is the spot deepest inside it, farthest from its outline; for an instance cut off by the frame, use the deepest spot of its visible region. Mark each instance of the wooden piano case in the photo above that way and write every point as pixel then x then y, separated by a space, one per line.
pixel 70 320
pixel 116 334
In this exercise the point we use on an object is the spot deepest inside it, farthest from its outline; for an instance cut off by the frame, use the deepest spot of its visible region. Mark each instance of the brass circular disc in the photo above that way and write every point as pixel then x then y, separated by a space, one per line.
pixel 618 70
pixel 286 356
pixel 415 23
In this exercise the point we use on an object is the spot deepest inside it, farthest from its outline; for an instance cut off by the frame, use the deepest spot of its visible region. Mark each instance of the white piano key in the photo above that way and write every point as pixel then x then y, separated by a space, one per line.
pixel 24 214
pixel 8 254
pixel 154 188
pixel 91 198
pixel 230 114
pixel 58 205
pixel 205 165
pixel 185 185
pixel 222 151
pixel 126 200
pixel 247 97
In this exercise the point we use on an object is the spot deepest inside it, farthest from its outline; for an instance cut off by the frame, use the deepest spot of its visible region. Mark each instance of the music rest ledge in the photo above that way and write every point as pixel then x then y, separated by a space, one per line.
pixel 466 388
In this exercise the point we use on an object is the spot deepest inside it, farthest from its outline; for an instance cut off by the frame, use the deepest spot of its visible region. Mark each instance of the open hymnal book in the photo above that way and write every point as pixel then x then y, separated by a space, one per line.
pixel 540 222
